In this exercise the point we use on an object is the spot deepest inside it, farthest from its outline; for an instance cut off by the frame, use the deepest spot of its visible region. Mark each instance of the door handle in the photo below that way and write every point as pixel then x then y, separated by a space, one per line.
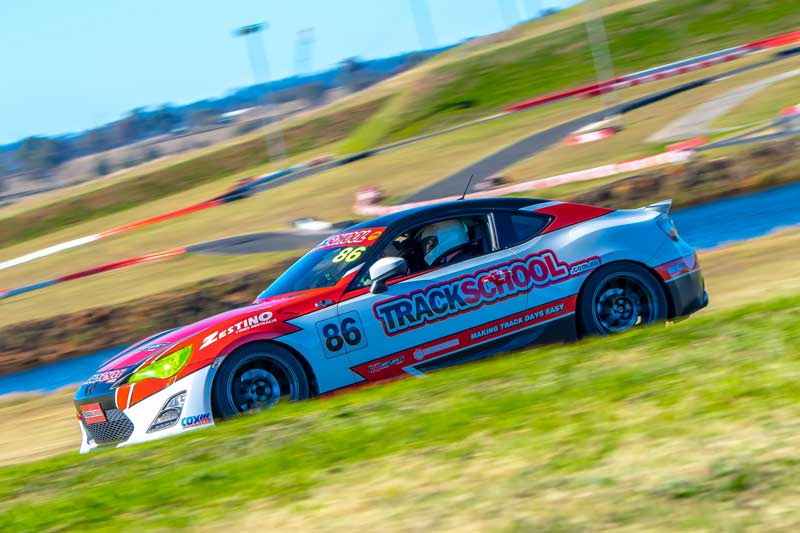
pixel 323 303
pixel 497 278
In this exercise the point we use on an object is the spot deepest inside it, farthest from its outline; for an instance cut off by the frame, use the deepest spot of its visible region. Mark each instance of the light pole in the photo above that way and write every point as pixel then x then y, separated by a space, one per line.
pixel 258 63
pixel 601 55
pixel 423 23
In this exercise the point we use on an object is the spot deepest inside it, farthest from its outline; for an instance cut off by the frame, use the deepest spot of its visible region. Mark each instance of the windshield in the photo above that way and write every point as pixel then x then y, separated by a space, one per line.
pixel 326 264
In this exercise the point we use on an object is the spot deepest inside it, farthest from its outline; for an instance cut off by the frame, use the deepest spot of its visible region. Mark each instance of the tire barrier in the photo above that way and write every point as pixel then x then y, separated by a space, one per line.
pixel 366 199
pixel 791 111
pixel 591 136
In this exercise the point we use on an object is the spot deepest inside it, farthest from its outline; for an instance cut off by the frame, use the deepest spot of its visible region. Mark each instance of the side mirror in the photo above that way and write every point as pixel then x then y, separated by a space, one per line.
pixel 386 268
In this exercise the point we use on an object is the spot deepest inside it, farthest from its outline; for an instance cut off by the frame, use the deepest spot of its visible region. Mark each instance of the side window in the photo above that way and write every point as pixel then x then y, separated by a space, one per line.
pixel 516 228
pixel 439 243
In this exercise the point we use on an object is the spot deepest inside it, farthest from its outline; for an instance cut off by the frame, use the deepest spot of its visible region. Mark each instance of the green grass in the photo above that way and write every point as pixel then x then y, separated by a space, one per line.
pixel 669 429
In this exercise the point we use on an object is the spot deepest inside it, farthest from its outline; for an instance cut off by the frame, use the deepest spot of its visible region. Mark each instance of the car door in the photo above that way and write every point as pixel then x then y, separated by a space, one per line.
pixel 552 285
pixel 430 314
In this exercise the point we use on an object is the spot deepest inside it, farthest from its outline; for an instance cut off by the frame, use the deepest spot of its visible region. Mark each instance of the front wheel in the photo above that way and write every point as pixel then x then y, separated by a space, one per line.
pixel 618 297
pixel 255 377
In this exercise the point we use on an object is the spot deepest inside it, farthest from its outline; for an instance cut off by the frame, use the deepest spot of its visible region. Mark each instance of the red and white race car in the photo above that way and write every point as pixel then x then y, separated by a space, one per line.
pixel 402 294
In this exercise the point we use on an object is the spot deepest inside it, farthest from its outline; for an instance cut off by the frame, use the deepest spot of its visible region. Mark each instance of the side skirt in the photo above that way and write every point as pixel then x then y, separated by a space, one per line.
pixel 557 331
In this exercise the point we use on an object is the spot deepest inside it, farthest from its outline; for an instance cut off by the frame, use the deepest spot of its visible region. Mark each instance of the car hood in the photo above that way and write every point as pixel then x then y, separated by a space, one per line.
pixel 280 308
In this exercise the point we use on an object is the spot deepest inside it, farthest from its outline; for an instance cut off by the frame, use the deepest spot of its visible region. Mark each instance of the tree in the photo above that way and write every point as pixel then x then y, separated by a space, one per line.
pixel 131 128
pixel 164 119
pixel 94 141
pixel 412 60
pixel 103 167
pixel 349 70
pixel 201 118
pixel 41 154
pixel 313 93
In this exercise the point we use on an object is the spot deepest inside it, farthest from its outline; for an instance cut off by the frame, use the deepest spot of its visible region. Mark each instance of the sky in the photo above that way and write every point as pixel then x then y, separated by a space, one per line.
pixel 67 66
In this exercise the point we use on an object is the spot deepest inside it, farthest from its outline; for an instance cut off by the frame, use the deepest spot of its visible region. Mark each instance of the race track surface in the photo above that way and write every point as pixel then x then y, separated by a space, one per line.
pixel 530 146
pixel 455 183
pixel 261 242
pixel 695 123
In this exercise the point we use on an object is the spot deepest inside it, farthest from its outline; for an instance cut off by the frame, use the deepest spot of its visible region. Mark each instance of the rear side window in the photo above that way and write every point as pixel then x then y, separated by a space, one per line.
pixel 516 228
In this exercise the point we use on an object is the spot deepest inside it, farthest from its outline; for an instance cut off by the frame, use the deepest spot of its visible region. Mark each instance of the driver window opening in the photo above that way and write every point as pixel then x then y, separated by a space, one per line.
pixel 437 244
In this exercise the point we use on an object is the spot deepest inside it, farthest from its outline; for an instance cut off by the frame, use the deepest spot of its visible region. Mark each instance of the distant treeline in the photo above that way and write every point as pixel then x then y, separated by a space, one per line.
pixel 39 155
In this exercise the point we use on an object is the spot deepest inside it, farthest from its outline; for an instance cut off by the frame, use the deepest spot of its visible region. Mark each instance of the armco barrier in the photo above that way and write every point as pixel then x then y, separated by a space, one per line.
pixel 246 188
pixel 239 191
pixel 661 72
pixel 148 258
pixel 365 200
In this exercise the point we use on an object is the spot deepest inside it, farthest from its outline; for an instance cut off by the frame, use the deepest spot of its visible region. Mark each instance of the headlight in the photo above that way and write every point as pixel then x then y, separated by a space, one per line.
pixel 667 225
pixel 166 367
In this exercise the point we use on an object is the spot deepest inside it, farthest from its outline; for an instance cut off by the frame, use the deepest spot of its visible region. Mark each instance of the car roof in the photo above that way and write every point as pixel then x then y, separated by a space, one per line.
pixel 453 207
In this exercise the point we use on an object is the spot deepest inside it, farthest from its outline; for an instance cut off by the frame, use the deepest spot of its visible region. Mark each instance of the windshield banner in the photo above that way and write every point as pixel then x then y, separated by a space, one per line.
pixel 359 237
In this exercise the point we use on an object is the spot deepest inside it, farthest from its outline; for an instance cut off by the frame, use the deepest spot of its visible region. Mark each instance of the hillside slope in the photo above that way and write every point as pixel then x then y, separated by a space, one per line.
pixel 467 86
pixel 687 427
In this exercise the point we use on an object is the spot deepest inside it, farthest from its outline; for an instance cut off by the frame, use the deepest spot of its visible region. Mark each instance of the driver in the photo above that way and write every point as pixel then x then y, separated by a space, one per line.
pixel 444 242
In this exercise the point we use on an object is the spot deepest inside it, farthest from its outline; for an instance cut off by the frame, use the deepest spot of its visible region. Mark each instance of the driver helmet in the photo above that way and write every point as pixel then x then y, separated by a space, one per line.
pixel 441 238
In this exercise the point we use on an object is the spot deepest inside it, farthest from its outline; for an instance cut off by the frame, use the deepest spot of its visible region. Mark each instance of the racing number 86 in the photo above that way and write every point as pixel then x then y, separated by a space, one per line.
pixel 335 338
pixel 348 255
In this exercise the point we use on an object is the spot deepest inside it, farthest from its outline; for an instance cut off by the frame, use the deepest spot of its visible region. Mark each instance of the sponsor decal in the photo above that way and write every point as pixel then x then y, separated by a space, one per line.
pixel 247 324
pixel 472 291
pixel 109 376
pixel 360 237
pixel 388 366
pixel 377 367
pixel 196 420
pixel 93 413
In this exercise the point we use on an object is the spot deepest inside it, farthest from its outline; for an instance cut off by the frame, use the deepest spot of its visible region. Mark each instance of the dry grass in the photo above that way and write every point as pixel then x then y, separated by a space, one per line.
pixel 37 426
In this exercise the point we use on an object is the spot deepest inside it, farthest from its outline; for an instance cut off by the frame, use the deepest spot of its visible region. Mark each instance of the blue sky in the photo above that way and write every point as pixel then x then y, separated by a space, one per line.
pixel 70 65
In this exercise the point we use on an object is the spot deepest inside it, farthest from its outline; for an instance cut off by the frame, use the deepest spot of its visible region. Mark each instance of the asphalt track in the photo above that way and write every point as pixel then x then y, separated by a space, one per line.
pixel 530 146
pixel 453 184
pixel 695 123
pixel 261 242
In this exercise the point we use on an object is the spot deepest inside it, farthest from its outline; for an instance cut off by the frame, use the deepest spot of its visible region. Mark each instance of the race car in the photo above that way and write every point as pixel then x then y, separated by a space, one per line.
pixel 402 294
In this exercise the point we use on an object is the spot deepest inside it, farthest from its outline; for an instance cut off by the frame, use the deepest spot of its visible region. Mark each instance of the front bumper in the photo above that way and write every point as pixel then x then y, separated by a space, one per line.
pixel 131 425
pixel 687 294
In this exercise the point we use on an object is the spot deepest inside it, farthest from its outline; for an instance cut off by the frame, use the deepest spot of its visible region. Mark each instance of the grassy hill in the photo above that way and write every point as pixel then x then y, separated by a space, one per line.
pixel 688 427
pixel 465 83
pixel 644 35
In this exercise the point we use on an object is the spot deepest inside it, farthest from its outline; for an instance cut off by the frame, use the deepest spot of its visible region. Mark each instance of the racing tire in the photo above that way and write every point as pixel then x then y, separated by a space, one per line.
pixel 618 297
pixel 255 377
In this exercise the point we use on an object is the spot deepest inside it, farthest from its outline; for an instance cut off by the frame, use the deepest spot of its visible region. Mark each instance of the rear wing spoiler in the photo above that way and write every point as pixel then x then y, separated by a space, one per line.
pixel 662 207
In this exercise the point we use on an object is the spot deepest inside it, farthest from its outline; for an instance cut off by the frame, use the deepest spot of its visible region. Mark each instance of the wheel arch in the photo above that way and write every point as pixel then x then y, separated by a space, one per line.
pixel 269 341
pixel 651 270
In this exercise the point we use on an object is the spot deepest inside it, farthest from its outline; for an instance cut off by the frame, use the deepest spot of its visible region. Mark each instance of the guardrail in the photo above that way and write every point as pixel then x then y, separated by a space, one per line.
pixel 246 188
pixel 366 199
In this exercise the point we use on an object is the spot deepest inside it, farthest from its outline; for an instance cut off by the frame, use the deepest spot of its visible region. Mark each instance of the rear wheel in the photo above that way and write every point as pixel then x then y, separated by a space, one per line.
pixel 618 297
pixel 255 377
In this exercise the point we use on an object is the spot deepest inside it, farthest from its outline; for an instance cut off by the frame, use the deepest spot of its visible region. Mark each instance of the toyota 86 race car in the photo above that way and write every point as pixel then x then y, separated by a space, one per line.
pixel 405 293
